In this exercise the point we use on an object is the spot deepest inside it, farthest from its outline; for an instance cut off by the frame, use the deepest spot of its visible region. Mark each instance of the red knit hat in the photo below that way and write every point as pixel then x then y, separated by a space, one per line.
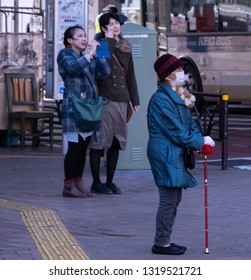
pixel 166 64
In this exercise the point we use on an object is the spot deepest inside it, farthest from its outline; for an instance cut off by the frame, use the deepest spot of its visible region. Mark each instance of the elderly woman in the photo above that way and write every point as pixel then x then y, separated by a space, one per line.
pixel 171 131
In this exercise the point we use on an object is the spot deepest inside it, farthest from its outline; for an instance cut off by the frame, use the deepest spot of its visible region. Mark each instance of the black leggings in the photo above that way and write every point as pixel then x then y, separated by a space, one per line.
pixel 112 160
pixel 74 161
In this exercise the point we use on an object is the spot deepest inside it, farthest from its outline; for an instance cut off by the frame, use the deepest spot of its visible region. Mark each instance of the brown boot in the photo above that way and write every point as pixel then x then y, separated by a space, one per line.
pixel 80 186
pixel 70 190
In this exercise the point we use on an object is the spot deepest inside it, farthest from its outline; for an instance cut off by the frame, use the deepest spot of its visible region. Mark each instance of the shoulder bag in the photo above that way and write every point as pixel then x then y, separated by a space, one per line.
pixel 189 160
pixel 87 116
pixel 188 156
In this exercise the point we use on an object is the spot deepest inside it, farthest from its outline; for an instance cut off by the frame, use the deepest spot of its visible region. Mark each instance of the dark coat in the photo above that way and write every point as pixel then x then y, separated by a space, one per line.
pixel 115 87
pixel 171 130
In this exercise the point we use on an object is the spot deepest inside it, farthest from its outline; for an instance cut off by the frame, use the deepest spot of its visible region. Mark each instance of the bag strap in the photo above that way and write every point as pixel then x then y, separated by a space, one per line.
pixel 119 65
pixel 124 75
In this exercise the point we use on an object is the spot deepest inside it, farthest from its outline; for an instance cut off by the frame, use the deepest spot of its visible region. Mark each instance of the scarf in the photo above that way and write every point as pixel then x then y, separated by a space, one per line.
pixel 188 98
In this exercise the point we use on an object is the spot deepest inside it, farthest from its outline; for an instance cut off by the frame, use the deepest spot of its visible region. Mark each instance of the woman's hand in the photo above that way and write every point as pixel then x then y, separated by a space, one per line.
pixel 92 47
pixel 209 141
pixel 109 32
pixel 136 108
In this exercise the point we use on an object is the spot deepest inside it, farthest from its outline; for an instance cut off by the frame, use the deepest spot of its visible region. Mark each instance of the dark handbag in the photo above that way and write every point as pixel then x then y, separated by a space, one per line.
pixel 189 160
pixel 129 112
pixel 87 116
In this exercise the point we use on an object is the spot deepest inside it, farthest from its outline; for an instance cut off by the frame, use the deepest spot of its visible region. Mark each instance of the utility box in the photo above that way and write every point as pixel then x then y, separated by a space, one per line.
pixel 144 52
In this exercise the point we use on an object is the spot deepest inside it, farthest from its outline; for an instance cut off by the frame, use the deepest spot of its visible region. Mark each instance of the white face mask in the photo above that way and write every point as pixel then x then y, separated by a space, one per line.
pixel 180 78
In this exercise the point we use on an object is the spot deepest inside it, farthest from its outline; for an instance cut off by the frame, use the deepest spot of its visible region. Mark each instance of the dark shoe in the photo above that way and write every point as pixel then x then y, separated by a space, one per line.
pixel 114 188
pixel 100 188
pixel 179 246
pixel 170 250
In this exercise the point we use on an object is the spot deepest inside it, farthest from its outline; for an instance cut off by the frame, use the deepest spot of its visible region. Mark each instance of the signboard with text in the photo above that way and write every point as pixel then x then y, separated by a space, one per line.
pixel 61 15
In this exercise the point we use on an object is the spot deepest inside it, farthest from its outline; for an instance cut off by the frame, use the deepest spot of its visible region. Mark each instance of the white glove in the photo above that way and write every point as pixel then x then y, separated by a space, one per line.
pixel 209 141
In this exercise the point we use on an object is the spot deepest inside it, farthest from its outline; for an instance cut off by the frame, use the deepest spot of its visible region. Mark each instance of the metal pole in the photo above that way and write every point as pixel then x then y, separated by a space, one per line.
pixel 16 17
pixel 224 130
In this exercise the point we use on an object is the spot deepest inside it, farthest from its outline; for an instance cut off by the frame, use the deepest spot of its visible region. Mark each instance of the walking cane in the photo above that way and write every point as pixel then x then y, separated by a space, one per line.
pixel 206 204
pixel 206 149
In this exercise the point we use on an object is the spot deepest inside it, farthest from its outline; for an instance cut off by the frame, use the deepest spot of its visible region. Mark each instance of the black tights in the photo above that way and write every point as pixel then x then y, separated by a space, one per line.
pixel 74 161
pixel 112 160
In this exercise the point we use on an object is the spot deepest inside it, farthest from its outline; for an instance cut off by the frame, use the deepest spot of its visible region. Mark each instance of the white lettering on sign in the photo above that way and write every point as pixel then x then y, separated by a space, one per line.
pixel 135 36
pixel 215 41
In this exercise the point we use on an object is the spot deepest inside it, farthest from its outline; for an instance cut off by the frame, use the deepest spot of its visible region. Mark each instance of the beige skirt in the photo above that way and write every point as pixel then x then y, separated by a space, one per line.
pixel 113 124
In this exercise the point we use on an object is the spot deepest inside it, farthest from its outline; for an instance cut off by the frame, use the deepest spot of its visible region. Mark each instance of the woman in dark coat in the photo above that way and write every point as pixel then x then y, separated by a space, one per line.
pixel 171 130
pixel 118 89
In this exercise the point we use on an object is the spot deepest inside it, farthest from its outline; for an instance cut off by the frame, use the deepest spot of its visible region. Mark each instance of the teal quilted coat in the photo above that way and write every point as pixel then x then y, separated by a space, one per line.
pixel 171 130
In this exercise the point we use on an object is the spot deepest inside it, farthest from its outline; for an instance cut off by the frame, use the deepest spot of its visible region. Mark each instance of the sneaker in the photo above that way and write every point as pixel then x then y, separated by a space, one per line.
pixel 100 188
pixel 113 188
pixel 170 250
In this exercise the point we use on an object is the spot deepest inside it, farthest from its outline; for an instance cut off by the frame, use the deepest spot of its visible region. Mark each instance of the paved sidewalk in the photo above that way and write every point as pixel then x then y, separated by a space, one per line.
pixel 38 223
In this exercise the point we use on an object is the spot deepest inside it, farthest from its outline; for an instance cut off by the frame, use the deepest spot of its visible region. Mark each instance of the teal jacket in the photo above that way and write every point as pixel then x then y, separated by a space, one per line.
pixel 171 130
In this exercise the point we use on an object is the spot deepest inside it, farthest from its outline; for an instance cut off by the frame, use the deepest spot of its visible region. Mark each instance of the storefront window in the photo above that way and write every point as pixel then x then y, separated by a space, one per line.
pixel 132 9
pixel 210 16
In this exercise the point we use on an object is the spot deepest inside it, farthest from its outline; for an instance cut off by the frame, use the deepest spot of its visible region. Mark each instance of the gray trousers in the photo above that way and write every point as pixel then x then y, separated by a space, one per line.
pixel 169 199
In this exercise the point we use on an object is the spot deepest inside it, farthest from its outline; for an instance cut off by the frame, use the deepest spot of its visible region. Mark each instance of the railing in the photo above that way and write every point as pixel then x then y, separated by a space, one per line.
pixel 212 110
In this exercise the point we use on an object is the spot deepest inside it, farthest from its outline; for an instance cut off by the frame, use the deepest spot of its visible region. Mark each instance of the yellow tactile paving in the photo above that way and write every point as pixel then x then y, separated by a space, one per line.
pixel 51 237
pixel 17 206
